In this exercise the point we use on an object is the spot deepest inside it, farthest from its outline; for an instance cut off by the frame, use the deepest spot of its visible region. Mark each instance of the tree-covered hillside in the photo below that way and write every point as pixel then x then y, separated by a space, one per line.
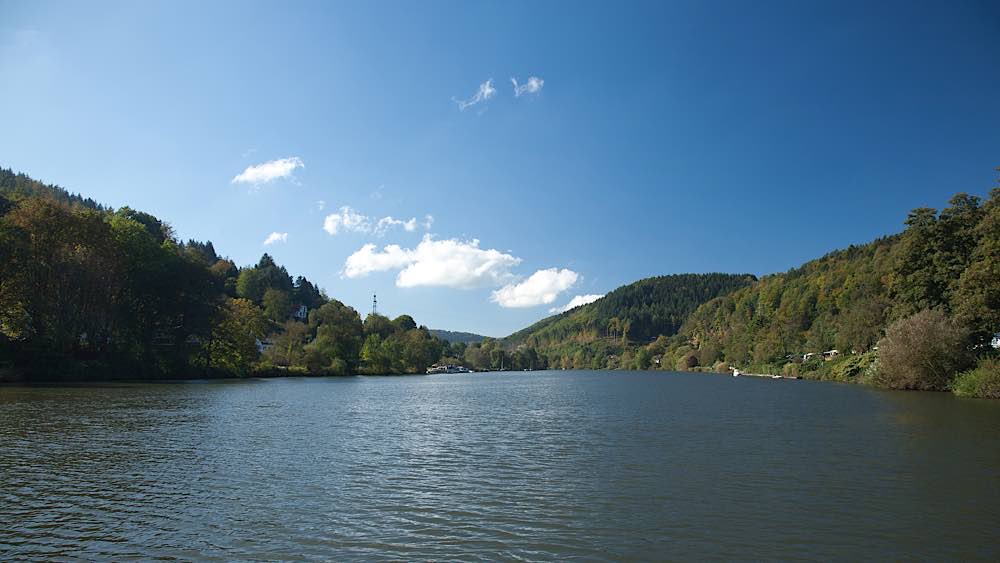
pixel 947 261
pixel 92 292
pixel 591 334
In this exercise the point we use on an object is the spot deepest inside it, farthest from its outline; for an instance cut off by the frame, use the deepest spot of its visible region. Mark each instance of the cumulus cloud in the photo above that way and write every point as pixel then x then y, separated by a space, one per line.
pixel 276 237
pixel 443 263
pixel 268 171
pixel 485 92
pixel 576 302
pixel 540 288
pixel 350 220
pixel 428 222
pixel 347 219
pixel 532 86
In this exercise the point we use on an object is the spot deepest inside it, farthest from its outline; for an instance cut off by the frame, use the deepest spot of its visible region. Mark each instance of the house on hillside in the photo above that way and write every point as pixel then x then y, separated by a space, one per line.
pixel 830 354
pixel 996 341
pixel 300 312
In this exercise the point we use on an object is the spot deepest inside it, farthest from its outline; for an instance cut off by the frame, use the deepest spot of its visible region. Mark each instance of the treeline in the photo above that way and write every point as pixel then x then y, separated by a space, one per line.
pixel 91 292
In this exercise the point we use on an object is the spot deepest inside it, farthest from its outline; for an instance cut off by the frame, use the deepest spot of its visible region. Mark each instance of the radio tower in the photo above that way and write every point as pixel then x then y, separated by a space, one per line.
pixel 374 304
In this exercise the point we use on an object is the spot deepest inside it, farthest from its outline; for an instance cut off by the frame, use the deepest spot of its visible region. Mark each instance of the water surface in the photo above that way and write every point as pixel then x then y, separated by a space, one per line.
pixel 541 465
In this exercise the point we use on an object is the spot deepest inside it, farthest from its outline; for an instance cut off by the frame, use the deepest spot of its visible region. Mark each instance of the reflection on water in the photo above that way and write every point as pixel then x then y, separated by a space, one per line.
pixel 594 465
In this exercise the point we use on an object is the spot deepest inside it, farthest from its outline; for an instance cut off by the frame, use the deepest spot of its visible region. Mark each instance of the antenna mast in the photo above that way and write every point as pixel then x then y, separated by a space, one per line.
pixel 374 304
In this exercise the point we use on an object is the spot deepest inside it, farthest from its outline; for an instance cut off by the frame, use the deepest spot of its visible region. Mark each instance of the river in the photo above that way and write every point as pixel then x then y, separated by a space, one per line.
pixel 537 466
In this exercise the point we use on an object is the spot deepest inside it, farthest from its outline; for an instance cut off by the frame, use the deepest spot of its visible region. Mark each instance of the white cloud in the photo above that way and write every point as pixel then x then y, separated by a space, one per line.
pixel 485 92
pixel 447 263
pixel 576 302
pixel 276 237
pixel 542 287
pixel 532 86
pixel 268 171
pixel 320 205
pixel 428 222
pixel 367 260
pixel 347 219
pixel 386 223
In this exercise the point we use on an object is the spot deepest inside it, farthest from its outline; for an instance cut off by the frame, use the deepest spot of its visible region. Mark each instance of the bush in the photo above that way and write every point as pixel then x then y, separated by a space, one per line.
pixel 851 367
pixel 982 382
pixel 923 351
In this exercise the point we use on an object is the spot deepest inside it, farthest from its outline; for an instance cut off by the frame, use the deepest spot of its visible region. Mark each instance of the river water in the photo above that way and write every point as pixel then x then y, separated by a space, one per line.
pixel 537 466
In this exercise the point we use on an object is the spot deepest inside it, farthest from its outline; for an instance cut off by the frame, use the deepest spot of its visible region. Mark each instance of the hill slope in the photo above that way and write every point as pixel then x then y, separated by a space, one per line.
pixel 638 312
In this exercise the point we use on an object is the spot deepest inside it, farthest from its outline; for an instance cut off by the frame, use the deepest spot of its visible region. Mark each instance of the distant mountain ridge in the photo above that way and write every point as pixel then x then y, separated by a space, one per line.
pixel 457 336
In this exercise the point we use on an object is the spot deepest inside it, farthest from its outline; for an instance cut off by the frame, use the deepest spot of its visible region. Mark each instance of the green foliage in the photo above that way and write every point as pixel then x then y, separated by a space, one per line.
pixel 254 282
pixel 233 344
pixel 982 382
pixel 277 304
pixel 338 332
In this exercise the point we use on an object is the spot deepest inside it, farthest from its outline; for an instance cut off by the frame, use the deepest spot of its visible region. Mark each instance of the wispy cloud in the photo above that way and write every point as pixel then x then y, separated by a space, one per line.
pixel 351 220
pixel 445 263
pixel 320 205
pixel 276 237
pixel 268 171
pixel 542 287
pixel 576 302
pixel 532 86
pixel 483 94
pixel 386 223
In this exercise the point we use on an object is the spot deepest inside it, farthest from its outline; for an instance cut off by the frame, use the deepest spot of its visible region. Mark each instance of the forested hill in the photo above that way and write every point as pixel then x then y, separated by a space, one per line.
pixel 636 312
pixel 456 336
pixel 18 186
pixel 947 262
pixel 88 292
pixel 909 311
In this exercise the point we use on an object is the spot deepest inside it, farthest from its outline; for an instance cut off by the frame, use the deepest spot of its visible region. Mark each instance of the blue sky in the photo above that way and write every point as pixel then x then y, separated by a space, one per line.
pixel 663 137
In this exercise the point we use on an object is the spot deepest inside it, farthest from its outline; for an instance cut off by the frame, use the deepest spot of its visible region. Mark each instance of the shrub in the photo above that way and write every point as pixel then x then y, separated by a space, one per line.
pixel 923 351
pixel 851 367
pixel 982 382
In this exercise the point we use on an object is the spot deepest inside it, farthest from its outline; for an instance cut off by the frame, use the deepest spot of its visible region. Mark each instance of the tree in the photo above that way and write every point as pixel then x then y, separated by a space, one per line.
pixel 378 324
pixel 338 332
pixel 277 304
pixel 403 323
pixel 923 351
pixel 288 345
pixel 233 345
pixel 977 297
